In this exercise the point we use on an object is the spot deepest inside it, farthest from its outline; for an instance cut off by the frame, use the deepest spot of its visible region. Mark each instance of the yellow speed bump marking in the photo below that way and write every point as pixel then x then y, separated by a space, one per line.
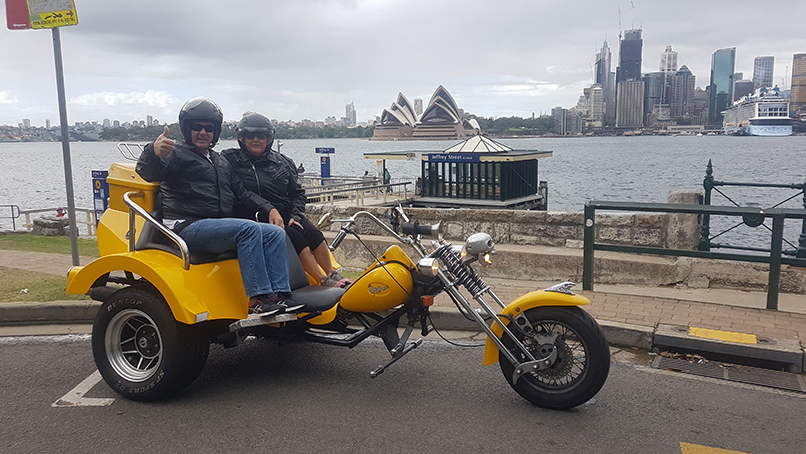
pixel 723 335
pixel 687 448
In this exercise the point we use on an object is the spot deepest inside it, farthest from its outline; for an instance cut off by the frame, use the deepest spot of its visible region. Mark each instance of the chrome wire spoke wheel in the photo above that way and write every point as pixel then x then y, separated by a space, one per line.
pixel 581 357
pixel 571 356
pixel 133 345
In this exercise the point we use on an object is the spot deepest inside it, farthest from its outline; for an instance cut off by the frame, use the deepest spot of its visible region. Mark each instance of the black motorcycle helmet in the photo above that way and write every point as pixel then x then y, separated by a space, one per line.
pixel 200 109
pixel 253 122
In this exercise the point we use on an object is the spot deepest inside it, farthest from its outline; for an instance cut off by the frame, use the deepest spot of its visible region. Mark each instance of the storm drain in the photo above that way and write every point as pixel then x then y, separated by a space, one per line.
pixel 736 373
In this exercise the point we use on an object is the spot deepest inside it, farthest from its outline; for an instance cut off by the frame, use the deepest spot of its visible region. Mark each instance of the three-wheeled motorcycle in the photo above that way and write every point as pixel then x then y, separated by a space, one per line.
pixel 163 305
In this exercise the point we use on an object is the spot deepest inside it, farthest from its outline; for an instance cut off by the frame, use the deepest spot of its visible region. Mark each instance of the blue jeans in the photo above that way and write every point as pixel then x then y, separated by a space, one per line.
pixel 262 253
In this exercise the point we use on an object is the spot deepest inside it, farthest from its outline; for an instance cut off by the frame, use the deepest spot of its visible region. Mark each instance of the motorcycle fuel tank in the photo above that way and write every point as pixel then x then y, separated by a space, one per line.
pixel 384 285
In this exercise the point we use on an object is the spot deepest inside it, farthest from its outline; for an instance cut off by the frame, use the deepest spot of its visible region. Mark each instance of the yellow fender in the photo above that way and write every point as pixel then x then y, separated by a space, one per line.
pixel 539 298
pixel 208 291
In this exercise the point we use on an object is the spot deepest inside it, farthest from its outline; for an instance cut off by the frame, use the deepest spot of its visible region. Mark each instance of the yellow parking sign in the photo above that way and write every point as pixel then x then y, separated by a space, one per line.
pixel 52 13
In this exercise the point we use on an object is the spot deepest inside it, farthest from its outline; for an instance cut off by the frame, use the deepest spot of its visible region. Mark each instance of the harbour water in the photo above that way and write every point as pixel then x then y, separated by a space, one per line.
pixel 637 169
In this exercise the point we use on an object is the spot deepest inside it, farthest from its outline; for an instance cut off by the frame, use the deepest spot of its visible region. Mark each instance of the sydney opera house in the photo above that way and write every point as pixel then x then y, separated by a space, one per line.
pixel 440 120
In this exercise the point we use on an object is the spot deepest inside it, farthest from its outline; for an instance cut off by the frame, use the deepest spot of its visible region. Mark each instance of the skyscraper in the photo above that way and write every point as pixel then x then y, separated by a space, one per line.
pixel 630 56
pixel 668 60
pixel 762 71
pixel 797 100
pixel 723 63
pixel 605 77
pixel 630 104
pixel 681 92
pixel 349 115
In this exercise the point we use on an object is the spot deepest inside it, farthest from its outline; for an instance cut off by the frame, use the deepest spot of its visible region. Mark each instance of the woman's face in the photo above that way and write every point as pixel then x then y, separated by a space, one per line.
pixel 255 145
pixel 255 141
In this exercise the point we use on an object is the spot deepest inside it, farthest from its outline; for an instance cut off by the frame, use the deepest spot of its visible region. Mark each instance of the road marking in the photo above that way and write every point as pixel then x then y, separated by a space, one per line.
pixel 723 335
pixel 75 398
pixel 687 448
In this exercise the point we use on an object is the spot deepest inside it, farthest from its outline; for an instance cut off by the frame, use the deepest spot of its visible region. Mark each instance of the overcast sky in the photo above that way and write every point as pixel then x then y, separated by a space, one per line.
pixel 307 59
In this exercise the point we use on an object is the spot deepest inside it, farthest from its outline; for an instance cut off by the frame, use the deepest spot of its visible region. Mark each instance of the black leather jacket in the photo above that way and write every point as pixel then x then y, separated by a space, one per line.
pixel 195 188
pixel 273 177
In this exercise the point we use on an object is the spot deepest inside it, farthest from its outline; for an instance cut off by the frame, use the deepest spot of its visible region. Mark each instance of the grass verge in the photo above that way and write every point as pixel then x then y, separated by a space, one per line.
pixel 32 286
pixel 52 244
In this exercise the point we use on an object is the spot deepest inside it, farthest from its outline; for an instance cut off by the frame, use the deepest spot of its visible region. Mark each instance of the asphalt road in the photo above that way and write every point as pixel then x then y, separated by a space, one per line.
pixel 307 398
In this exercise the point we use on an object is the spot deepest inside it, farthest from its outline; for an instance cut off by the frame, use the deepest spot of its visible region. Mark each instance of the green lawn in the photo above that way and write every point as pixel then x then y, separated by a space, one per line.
pixel 21 285
pixel 54 244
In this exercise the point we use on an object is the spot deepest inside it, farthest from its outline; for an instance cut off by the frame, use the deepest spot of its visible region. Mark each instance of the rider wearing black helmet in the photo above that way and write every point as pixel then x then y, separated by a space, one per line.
pixel 273 177
pixel 199 196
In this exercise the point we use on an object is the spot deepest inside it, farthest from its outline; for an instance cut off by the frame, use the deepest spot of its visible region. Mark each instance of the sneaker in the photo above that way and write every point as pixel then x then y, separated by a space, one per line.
pixel 272 305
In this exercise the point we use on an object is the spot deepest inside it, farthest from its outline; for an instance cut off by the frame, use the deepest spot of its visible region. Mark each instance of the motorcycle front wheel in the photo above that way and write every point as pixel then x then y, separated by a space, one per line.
pixel 580 368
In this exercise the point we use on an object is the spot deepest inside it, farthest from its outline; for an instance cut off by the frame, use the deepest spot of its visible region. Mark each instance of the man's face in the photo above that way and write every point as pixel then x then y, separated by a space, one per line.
pixel 201 134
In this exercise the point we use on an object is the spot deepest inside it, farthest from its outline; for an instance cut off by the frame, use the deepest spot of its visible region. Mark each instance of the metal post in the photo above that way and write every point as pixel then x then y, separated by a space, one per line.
pixel 587 250
pixel 68 168
pixel 708 185
pixel 775 260
pixel 801 250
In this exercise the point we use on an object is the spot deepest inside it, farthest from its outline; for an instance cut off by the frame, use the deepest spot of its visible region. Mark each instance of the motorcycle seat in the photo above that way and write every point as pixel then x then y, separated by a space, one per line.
pixel 152 238
pixel 314 297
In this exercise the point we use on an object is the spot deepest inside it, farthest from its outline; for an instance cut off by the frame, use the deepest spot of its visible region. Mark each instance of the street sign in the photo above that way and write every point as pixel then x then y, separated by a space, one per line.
pixel 325 150
pixel 100 193
pixel 17 17
pixel 453 157
pixel 325 168
pixel 52 13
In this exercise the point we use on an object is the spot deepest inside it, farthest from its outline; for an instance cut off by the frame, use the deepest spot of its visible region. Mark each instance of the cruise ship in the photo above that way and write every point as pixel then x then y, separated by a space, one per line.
pixel 763 113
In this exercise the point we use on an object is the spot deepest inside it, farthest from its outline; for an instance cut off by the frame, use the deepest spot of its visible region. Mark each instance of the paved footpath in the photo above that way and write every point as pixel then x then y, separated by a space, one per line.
pixel 712 309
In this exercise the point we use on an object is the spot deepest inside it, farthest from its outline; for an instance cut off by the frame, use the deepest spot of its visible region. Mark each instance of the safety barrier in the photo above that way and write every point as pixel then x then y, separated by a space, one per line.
pixel 89 222
pixel 774 257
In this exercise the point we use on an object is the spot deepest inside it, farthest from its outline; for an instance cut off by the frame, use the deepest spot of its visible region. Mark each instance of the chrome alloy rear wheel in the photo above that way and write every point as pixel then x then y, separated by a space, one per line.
pixel 133 345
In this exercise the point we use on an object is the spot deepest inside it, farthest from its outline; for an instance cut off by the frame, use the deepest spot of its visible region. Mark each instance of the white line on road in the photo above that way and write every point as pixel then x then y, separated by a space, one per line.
pixel 75 398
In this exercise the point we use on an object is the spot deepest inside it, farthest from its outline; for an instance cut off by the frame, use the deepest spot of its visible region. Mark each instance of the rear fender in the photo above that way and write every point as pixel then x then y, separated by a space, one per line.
pixel 208 291
pixel 539 298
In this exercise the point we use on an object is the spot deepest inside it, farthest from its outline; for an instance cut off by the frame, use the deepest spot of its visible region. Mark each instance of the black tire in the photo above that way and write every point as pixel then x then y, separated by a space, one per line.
pixel 581 366
pixel 142 352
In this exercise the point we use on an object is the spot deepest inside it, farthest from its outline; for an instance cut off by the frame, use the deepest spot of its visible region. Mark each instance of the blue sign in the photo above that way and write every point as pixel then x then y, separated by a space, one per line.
pixel 326 150
pixel 453 157
pixel 100 193
pixel 325 171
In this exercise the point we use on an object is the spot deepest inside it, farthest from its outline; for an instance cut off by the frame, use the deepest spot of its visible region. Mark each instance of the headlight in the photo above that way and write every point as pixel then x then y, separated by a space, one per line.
pixel 428 267
pixel 479 244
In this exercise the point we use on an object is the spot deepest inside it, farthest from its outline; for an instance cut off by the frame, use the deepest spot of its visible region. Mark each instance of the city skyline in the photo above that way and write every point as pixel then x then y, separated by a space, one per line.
pixel 314 58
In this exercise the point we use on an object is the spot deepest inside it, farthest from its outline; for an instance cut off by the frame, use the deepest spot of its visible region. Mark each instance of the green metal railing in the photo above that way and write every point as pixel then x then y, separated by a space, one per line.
pixel 775 258
pixel 710 185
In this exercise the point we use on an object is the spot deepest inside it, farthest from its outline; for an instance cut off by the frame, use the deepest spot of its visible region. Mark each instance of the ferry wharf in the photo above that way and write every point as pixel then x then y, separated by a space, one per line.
pixel 699 331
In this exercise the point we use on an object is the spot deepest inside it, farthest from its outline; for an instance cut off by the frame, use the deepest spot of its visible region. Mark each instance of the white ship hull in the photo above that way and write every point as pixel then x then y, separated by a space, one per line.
pixel 764 114
pixel 770 130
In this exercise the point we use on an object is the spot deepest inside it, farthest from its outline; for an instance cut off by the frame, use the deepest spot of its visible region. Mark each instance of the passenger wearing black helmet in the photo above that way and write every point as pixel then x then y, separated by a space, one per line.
pixel 199 196
pixel 273 177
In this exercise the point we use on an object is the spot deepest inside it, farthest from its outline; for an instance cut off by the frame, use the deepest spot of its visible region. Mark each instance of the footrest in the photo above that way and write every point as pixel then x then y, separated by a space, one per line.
pixel 260 320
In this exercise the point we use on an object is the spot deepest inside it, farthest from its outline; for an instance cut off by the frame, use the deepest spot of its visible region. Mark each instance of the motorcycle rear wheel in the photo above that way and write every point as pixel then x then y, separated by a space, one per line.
pixel 581 366
pixel 142 352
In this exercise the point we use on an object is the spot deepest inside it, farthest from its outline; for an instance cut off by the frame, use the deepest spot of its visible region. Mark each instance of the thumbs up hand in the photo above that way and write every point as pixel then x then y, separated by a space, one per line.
pixel 163 146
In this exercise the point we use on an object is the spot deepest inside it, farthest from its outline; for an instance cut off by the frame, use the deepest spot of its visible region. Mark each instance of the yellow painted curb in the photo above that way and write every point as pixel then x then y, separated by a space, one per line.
pixel 687 448
pixel 723 335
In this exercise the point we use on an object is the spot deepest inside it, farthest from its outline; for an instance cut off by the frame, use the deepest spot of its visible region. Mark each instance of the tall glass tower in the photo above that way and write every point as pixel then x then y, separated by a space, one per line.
pixel 762 71
pixel 723 66
pixel 798 96
pixel 630 55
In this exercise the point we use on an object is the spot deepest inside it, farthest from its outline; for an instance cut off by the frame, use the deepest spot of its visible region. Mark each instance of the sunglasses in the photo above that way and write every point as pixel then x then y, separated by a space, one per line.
pixel 249 135
pixel 198 127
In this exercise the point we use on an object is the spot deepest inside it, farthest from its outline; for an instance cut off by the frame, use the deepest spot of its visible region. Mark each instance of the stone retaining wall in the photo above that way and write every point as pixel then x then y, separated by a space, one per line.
pixel 542 228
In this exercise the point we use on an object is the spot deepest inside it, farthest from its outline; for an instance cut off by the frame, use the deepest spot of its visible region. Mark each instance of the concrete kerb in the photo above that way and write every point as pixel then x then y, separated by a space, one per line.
pixel 27 313
pixel 771 353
